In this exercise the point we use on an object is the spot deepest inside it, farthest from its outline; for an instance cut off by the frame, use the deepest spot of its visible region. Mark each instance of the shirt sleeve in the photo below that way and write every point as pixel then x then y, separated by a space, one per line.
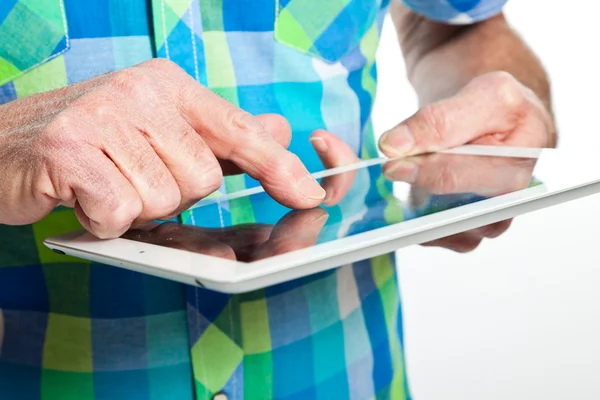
pixel 459 12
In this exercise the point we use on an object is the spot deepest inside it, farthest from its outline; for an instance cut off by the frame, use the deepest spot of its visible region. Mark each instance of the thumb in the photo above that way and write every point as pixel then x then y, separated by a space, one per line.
pixel 488 105
pixel 334 153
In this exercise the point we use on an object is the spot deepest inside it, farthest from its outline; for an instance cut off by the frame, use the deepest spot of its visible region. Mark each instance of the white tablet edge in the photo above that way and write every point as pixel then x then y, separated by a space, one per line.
pixel 234 277
pixel 518 152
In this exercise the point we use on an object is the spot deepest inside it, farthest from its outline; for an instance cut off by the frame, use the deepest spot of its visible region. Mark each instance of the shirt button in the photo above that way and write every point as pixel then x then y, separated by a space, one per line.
pixel 220 396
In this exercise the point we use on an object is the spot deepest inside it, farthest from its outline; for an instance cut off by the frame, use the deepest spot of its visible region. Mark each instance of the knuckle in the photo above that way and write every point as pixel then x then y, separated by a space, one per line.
pixel 122 212
pixel 133 82
pixel 281 165
pixel 61 125
pixel 162 195
pixel 60 135
pixel 239 120
pixel 160 64
pixel 103 111
pixel 164 204
pixel 193 93
pixel 200 175
pixel 508 89
pixel 500 77
pixel 124 80
pixel 97 105
pixel 245 126
pixel 210 179
pixel 206 171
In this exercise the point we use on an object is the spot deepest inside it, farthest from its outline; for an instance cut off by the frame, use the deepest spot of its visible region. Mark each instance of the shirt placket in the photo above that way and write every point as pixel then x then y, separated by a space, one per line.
pixel 191 34
pixel 178 35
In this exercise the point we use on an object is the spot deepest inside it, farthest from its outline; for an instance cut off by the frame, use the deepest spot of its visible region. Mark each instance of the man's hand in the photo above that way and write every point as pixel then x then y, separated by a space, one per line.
pixel 433 174
pixel 455 72
pixel 136 145
pixel 493 109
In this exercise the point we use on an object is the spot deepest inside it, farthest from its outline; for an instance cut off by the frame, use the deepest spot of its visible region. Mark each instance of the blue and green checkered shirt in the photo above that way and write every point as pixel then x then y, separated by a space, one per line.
pixel 73 329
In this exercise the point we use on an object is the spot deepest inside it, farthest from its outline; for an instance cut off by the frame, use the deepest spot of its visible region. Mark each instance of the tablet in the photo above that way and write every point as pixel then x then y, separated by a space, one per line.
pixel 245 240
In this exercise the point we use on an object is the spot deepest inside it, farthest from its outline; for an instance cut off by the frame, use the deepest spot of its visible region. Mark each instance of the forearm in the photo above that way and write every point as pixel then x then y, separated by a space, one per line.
pixel 441 59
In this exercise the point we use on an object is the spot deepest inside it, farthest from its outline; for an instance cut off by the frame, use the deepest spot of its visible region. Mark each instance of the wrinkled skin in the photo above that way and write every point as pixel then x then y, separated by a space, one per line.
pixel 139 144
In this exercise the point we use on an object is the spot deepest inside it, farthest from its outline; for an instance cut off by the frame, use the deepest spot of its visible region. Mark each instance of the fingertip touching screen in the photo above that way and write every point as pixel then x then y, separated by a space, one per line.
pixel 251 226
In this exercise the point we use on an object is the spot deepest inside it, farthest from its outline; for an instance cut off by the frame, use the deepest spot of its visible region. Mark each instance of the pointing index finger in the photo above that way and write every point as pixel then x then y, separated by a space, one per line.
pixel 237 136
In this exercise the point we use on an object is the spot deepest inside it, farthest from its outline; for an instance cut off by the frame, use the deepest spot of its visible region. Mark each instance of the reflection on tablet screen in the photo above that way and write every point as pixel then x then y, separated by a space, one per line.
pixel 255 227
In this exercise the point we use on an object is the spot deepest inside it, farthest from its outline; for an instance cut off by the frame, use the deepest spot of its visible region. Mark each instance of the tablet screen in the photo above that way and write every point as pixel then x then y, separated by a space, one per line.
pixel 253 227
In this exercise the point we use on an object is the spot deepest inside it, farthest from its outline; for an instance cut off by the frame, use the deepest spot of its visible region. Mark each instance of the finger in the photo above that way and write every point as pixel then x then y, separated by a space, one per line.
pixel 531 132
pixel 275 125
pixel 235 135
pixel 140 164
pixel 140 98
pixel 296 230
pixel 464 242
pixel 537 128
pixel 107 203
pixel 334 153
pixel 493 230
pixel 246 144
pixel 278 127
pixel 190 161
pixel 489 104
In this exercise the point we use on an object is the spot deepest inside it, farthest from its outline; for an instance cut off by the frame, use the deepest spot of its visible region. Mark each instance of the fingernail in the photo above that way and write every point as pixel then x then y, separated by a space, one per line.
pixel 397 141
pixel 310 188
pixel 328 197
pixel 404 171
pixel 319 144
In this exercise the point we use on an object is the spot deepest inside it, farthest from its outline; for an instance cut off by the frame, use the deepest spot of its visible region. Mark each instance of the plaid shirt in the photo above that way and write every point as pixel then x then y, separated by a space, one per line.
pixel 80 330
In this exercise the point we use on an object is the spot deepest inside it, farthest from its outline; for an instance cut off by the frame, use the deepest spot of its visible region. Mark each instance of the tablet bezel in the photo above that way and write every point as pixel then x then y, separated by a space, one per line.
pixel 235 277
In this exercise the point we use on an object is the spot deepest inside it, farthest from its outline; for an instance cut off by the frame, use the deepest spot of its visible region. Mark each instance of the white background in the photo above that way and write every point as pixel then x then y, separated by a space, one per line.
pixel 519 318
